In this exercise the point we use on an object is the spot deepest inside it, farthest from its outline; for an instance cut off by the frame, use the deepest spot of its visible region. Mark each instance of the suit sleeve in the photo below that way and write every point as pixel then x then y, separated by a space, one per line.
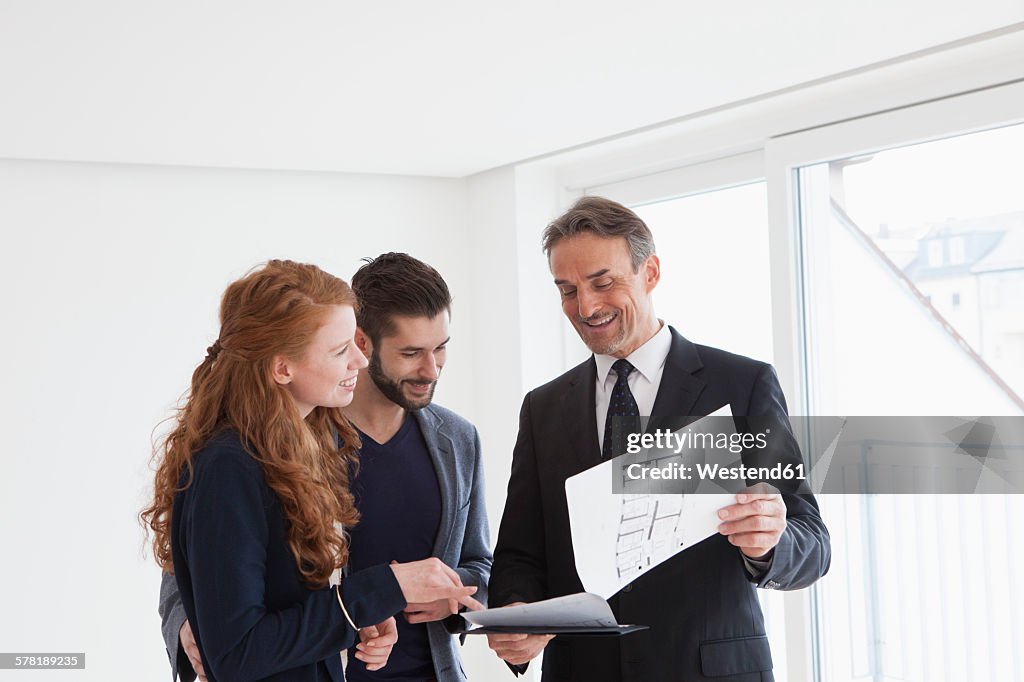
pixel 226 532
pixel 475 557
pixel 520 559
pixel 804 551
pixel 172 617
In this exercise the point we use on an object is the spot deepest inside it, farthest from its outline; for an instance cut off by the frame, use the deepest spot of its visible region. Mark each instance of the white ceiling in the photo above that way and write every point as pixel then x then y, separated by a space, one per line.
pixel 417 88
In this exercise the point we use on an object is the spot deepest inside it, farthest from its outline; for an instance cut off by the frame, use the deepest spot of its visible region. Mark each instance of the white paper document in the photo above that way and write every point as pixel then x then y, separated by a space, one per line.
pixel 617 538
pixel 574 610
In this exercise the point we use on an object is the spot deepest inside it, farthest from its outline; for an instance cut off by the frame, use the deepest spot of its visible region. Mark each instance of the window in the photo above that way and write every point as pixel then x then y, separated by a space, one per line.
pixel 715 280
pixel 956 250
pixel 891 312
pixel 904 253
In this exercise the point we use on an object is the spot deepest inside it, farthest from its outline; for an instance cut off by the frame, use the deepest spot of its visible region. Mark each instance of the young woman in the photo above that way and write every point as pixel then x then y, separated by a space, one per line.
pixel 251 493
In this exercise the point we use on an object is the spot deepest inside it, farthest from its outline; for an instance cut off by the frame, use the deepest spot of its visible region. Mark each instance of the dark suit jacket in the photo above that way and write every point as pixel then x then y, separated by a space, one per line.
pixel 701 605
pixel 252 616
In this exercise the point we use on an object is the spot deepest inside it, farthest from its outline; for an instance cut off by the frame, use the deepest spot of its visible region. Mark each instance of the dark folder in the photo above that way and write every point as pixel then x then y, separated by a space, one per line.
pixel 457 625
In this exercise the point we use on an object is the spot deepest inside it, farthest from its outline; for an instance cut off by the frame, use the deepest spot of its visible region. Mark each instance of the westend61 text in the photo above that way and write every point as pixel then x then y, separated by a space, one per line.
pixel 715 472
pixel 666 439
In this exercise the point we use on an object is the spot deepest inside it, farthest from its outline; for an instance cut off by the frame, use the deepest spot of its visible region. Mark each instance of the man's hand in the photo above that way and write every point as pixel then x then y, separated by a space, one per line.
pixel 376 642
pixel 429 611
pixel 518 649
pixel 188 643
pixel 756 522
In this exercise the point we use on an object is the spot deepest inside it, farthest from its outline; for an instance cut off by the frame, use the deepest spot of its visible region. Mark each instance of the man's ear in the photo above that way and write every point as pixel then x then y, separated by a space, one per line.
pixel 281 371
pixel 363 342
pixel 652 272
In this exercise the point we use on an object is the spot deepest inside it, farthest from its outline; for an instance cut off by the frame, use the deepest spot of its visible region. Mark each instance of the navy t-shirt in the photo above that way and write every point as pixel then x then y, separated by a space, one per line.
pixel 399 502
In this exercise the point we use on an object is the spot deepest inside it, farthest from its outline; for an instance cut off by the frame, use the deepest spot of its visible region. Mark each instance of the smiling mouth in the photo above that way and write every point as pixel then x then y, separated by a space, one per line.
pixel 599 322
pixel 349 383
pixel 420 386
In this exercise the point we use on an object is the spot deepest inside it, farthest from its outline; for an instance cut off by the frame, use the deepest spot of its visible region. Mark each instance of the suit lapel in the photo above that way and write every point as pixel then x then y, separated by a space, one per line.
pixel 677 395
pixel 579 415
pixel 442 454
pixel 679 389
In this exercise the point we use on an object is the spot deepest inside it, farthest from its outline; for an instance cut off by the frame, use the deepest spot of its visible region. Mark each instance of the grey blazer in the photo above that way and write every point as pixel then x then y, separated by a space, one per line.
pixel 463 539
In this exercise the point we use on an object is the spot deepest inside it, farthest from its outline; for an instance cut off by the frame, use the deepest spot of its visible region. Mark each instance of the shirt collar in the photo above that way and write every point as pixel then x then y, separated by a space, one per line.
pixel 647 359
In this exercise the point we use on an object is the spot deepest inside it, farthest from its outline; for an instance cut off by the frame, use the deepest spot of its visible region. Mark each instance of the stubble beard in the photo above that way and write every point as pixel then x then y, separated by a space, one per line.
pixel 601 348
pixel 392 390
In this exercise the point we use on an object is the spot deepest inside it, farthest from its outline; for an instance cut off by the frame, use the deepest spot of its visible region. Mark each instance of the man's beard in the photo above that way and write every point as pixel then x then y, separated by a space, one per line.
pixel 392 390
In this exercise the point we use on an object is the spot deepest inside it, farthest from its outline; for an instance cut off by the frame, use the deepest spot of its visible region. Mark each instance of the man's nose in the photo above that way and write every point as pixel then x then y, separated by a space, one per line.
pixel 588 302
pixel 429 369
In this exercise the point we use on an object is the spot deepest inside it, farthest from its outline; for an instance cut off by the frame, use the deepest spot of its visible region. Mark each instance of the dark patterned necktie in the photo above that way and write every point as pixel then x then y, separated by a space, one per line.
pixel 623 406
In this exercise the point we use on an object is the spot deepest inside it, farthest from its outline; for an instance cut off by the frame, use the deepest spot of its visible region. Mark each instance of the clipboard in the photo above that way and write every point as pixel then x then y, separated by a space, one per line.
pixel 457 625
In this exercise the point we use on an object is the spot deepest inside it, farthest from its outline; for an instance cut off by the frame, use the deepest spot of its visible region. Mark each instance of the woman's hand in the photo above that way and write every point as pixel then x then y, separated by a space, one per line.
pixel 376 642
pixel 431 579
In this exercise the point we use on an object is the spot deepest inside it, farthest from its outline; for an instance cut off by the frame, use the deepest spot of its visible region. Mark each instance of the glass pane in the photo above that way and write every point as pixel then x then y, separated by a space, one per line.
pixel 915 262
pixel 914 288
pixel 715 286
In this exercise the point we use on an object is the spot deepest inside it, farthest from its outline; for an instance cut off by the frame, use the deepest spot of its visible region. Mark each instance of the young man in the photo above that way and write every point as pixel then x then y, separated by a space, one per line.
pixel 419 489
pixel 701 606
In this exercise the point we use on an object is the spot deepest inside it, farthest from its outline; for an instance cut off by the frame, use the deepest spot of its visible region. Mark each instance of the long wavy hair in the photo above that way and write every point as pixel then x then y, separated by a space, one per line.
pixel 274 310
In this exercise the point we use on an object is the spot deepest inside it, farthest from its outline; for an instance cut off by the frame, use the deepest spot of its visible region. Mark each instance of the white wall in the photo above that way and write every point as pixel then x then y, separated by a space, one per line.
pixel 111 281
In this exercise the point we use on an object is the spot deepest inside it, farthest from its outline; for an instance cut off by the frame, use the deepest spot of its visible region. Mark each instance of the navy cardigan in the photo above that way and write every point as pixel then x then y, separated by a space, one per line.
pixel 252 616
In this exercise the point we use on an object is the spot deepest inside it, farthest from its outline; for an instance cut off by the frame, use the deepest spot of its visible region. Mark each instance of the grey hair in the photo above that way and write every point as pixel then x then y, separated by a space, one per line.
pixel 605 218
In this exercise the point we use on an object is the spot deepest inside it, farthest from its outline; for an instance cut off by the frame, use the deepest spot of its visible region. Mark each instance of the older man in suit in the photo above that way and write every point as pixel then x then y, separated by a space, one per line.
pixel 701 605
pixel 420 486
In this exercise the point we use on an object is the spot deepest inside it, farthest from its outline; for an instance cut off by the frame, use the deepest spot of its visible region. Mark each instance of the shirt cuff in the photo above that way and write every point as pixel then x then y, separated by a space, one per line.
pixel 756 568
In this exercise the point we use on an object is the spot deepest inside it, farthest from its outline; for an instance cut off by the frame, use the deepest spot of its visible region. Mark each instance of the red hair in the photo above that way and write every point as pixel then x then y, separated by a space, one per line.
pixel 274 310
